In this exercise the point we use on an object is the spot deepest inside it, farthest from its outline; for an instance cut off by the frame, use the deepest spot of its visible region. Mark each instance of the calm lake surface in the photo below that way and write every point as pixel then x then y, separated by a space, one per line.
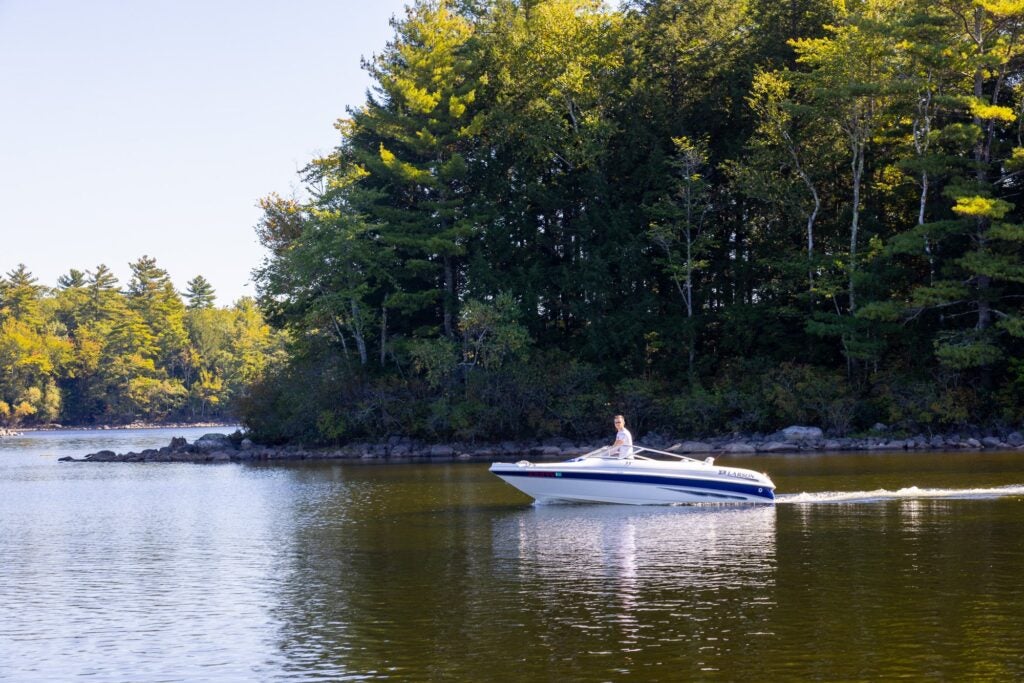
pixel 870 567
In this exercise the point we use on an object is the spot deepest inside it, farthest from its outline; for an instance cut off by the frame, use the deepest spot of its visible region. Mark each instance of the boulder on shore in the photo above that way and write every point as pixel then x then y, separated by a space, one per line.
pixel 213 442
pixel 798 433
pixel 691 447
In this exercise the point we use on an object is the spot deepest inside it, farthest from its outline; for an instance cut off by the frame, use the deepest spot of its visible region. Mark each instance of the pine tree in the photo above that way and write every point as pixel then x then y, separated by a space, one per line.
pixel 151 295
pixel 21 297
pixel 200 293
pixel 104 295
pixel 409 144
pixel 74 279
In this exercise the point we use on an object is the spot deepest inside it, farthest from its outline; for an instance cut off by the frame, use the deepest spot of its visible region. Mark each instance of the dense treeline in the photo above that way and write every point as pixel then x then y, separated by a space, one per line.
pixel 87 352
pixel 711 216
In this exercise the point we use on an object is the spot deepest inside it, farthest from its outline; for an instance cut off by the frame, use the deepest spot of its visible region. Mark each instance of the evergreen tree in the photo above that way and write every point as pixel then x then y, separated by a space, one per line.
pixel 21 297
pixel 200 293
pixel 151 295
pixel 411 142
pixel 74 279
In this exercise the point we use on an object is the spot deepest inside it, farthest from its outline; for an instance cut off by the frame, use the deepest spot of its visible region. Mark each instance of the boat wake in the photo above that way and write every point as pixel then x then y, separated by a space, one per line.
pixel 910 493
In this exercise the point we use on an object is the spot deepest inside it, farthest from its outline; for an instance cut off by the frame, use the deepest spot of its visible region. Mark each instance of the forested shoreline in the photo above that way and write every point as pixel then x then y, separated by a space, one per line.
pixel 88 352
pixel 713 217
pixel 710 216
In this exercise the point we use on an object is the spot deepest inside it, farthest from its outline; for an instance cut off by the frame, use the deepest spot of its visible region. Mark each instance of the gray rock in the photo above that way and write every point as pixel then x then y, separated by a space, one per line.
pixel 833 445
pixel 972 443
pixel 937 442
pixel 246 445
pixel 738 447
pixel 992 442
pixel 102 456
pixel 879 427
pixel 797 433
pixel 691 447
pixel 220 456
pixel 775 447
pixel 184 456
pixel 213 442
pixel 441 451
pixel 1015 439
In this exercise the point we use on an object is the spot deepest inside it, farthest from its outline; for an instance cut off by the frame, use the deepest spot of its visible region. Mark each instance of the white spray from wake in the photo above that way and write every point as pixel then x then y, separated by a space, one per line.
pixel 911 492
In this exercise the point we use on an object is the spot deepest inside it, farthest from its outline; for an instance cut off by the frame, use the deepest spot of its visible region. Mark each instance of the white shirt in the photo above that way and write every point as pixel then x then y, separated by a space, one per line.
pixel 626 445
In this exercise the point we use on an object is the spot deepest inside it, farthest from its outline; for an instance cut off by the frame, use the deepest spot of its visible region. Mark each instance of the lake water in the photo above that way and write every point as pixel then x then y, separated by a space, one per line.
pixel 870 567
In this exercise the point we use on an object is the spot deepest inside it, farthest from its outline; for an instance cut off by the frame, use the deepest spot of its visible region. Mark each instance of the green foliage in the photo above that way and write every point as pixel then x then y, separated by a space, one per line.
pixel 710 216
pixel 86 353
pixel 200 293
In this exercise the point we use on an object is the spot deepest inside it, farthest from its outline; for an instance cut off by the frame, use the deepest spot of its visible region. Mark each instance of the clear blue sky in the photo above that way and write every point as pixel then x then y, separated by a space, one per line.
pixel 131 127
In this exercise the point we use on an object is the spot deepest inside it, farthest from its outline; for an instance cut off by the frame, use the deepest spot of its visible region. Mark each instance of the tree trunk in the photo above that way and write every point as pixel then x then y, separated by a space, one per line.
pixel 449 298
pixel 858 171
pixel 383 333
pixel 920 221
pixel 357 332
pixel 982 157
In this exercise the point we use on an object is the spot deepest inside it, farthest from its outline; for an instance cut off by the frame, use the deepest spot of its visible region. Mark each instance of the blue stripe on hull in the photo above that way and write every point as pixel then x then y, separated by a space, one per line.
pixel 658 480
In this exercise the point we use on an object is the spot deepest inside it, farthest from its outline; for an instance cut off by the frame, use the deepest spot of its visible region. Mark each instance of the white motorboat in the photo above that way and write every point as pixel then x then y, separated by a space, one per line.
pixel 645 478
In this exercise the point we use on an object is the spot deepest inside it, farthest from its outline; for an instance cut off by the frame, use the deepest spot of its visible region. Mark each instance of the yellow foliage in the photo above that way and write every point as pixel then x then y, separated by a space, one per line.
pixel 992 112
pixel 406 171
pixel 418 99
pixel 455 107
pixel 24 409
pixel 1002 8
pixel 889 178
pixel 982 207
pixel 1016 160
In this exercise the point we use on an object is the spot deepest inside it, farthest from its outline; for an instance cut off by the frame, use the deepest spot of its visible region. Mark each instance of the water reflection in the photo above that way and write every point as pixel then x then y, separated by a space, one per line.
pixel 386 576
pixel 702 547
pixel 612 581
pixel 334 572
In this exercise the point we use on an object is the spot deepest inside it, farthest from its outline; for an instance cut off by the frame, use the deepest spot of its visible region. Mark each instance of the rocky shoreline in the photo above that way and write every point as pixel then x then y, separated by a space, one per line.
pixel 213 448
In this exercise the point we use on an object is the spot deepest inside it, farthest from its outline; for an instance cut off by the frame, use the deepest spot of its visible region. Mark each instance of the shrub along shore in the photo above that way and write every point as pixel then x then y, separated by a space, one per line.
pixel 214 448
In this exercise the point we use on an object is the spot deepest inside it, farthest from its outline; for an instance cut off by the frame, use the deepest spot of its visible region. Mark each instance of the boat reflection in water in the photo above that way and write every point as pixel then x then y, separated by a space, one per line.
pixel 616 579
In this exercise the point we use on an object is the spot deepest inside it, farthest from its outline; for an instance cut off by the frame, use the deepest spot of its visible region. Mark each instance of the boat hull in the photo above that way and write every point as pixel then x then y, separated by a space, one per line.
pixel 636 483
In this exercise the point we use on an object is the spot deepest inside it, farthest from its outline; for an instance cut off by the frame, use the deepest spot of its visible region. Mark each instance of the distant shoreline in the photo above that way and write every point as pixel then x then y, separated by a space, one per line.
pixel 118 427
